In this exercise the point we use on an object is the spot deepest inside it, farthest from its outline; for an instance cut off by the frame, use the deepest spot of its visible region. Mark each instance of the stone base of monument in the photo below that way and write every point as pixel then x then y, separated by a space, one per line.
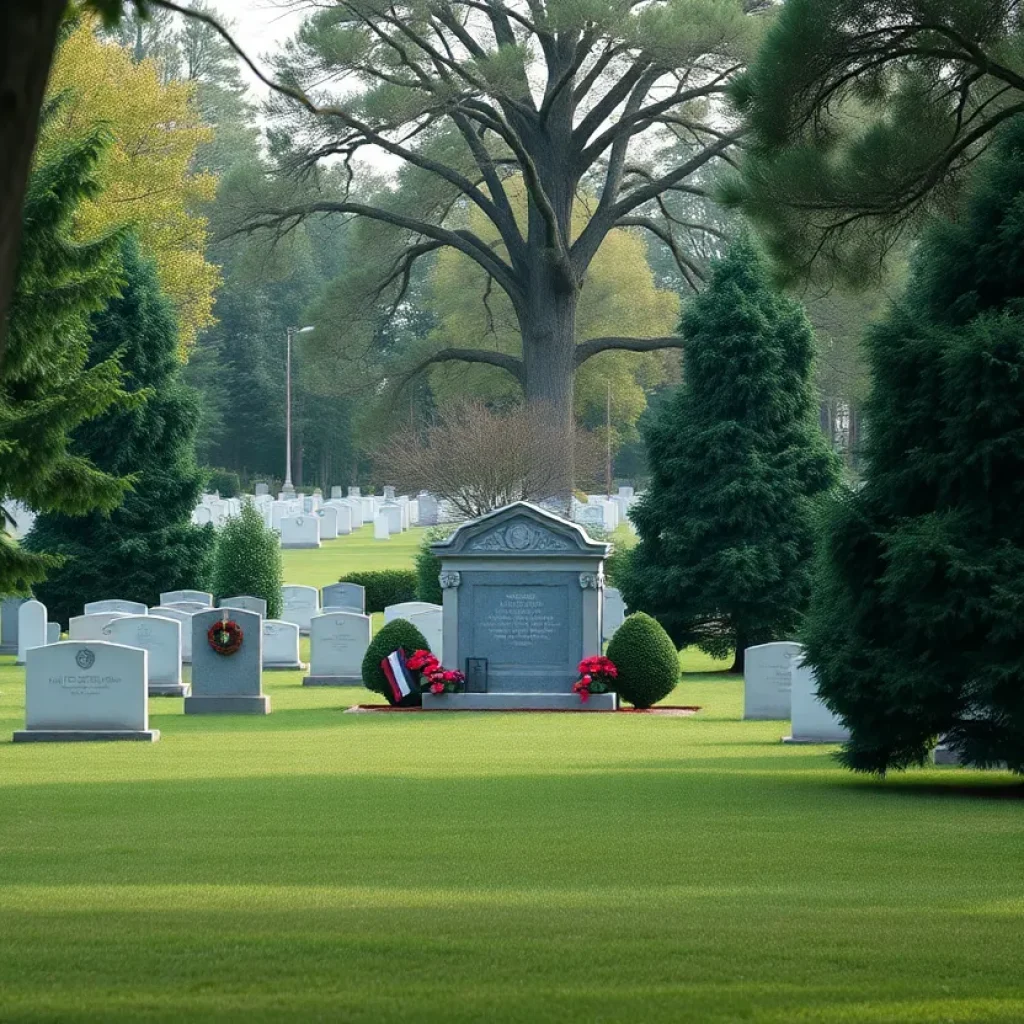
pixel 332 681
pixel 809 741
pixel 300 544
pixel 169 689
pixel 228 705
pixel 84 735
pixel 295 666
pixel 519 702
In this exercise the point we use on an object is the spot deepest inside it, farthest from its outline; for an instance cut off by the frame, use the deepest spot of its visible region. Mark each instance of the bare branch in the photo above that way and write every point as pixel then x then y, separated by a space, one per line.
pixel 595 346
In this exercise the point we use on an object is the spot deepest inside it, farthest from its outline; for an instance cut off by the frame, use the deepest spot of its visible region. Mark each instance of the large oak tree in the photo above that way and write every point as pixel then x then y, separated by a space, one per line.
pixel 621 101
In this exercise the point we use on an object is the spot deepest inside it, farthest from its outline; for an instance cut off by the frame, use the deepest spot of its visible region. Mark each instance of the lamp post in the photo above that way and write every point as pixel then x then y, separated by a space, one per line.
pixel 288 487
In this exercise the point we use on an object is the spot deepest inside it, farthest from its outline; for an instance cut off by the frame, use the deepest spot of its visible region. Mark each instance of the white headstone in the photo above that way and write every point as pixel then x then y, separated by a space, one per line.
pixel 53 632
pixel 430 624
pixel 31 628
pixel 301 603
pixel 369 509
pixel 278 510
pixel 200 597
pixel 202 516
pixel 302 531
pixel 337 644
pixel 86 690
pixel 161 637
pixel 90 627
pixel 245 603
pixel 394 514
pixel 280 645
pixel 336 492
pixel 346 597
pixel 184 619
pixel 328 522
pixel 191 607
pixel 127 607
pixel 614 612
pixel 261 490
pixel 767 680
pixel 407 608
pixel 354 492
pixel 381 528
pixel 348 517
pixel 812 722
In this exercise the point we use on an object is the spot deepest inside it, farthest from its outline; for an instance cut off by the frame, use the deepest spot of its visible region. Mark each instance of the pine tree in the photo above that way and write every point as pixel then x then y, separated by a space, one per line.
pixel 726 527
pixel 916 629
pixel 248 560
pixel 46 387
pixel 148 544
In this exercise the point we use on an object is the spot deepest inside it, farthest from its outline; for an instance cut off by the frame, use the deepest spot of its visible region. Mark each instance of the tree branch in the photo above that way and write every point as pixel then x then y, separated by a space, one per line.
pixel 511 364
pixel 595 346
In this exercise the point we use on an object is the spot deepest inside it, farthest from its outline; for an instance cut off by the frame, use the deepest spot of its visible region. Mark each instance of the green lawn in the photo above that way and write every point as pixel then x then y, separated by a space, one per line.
pixel 318 866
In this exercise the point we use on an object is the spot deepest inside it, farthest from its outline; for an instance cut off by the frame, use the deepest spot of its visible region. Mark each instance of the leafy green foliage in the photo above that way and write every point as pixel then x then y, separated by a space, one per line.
pixel 248 560
pixel 46 387
pixel 224 481
pixel 399 633
pixel 646 659
pixel 148 544
pixel 428 565
pixel 916 628
pixel 384 586
pixel 726 528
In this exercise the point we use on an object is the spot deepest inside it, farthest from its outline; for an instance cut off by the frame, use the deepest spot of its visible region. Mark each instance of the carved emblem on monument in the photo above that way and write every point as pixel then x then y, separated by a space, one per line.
pixel 591 581
pixel 520 536
pixel 85 658
pixel 450 580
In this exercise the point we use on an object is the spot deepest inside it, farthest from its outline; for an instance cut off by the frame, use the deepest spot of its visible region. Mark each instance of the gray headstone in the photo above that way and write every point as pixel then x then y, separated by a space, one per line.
pixel 232 683
pixel 429 509
pixel 248 604
pixel 344 596
pixel 9 624
pixel 78 690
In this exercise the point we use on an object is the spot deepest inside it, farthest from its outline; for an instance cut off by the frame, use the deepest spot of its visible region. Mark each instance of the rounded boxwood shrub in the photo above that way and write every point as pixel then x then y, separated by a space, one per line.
pixel 647 660
pixel 397 633
pixel 384 587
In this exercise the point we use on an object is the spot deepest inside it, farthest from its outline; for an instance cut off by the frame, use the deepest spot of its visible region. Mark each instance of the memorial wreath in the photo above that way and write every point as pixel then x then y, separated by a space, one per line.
pixel 225 637
pixel 434 678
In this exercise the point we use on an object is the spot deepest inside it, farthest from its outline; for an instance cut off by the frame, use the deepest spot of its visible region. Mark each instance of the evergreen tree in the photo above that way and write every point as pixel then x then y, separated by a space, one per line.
pixel 248 560
pixel 148 544
pixel 916 629
pixel 726 532
pixel 46 387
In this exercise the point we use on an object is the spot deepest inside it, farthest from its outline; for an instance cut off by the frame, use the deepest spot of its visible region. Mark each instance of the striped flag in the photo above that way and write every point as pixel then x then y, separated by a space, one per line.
pixel 403 690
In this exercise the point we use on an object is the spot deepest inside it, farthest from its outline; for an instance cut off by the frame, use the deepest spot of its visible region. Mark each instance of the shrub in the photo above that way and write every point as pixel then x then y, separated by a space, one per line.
pixel 384 587
pixel 248 560
pixel 224 481
pixel 397 633
pixel 647 661
pixel 428 565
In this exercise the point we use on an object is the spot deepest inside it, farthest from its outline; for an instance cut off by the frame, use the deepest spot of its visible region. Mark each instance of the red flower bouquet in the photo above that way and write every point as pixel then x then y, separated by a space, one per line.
pixel 434 678
pixel 597 675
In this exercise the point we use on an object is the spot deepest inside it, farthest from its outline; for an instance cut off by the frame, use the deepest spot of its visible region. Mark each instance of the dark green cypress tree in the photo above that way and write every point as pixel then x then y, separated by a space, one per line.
pixel 148 544
pixel 737 459
pixel 916 629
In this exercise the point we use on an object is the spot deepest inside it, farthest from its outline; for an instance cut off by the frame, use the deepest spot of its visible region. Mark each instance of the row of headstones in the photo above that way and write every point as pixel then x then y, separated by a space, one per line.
pixel 778 685
pixel 604 512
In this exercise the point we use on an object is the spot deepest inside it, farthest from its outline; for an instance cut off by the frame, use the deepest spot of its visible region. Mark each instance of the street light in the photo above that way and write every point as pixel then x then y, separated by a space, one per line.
pixel 288 487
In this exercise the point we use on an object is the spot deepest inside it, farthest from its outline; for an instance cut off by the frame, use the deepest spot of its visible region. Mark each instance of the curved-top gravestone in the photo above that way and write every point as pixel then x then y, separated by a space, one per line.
pixel 522 606
pixel 227 683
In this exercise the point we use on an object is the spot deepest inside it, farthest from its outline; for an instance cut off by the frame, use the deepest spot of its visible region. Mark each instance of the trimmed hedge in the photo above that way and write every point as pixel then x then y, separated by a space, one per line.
pixel 384 587
pixel 397 633
pixel 647 660
pixel 428 565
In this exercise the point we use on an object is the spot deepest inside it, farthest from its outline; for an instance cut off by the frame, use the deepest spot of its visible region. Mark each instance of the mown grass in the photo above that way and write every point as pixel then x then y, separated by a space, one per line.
pixel 321 866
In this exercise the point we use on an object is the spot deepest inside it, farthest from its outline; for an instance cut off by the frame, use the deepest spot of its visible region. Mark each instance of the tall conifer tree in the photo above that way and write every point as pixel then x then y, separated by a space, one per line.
pixel 726 527
pixel 917 625
pixel 148 544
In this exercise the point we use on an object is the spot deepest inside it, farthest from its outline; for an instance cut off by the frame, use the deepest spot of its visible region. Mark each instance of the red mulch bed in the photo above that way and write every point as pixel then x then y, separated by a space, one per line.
pixel 670 710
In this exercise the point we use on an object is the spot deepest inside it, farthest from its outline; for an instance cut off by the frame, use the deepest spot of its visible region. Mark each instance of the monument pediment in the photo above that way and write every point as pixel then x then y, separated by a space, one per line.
pixel 520 530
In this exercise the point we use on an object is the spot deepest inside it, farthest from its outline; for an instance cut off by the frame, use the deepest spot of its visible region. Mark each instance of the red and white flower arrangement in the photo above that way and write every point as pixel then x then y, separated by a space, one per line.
pixel 434 677
pixel 597 675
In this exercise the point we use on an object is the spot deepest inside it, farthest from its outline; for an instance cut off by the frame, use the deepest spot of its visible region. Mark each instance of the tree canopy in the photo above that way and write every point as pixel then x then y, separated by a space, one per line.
pixel 865 116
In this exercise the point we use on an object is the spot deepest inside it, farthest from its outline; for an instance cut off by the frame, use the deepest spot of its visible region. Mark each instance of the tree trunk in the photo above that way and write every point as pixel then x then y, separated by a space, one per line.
pixel 548 328
pixel 28 34
pixel 739 658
